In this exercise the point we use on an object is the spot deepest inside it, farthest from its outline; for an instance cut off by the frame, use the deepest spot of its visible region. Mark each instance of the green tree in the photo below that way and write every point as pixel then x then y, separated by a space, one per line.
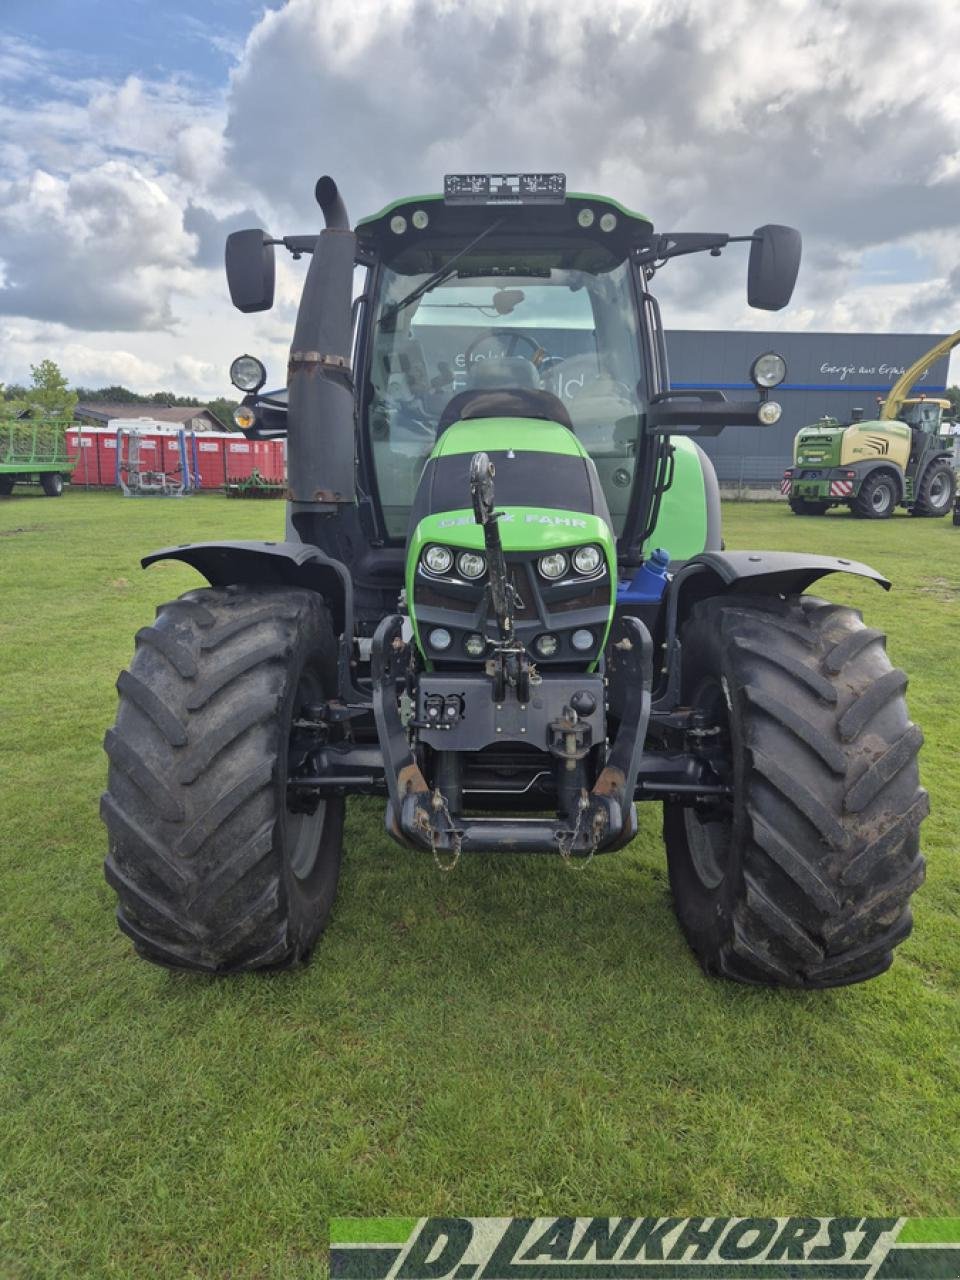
pixel 222 409
pixel 49 393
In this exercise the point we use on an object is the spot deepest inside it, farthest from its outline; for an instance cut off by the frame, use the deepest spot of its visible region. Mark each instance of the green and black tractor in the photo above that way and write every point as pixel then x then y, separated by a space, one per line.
pixel 502 603
pixel 875 466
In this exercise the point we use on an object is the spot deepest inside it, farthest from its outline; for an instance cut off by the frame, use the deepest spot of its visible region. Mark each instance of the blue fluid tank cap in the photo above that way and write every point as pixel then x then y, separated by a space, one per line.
pixel 649 581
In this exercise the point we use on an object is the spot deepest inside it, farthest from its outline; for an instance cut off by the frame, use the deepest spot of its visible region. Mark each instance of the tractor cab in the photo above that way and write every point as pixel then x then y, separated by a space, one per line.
pixel 539 298
pixel 923 414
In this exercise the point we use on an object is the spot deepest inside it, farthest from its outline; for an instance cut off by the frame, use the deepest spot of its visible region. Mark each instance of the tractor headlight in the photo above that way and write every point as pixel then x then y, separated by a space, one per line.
pixel 475 645
pixel 247 374
pixel 546 645
pixel 437 559
pixel 587 559
pixel 582 640
pixel 553 565
pixel 420 219
pixel 608 221
pixel 471 564
pixel 769 412
pixel 585 218
pixel 768 370
pixel 244 418
pixel 398 224
pixel 440 639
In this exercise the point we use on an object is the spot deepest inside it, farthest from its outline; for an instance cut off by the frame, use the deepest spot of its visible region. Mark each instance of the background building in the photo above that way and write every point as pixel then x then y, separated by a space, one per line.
pixel 827 373
pixel 193 417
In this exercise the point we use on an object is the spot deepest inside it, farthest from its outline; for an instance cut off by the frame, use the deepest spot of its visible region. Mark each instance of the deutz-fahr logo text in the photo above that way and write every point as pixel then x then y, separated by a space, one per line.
pixel 631 1248
pixel 510 517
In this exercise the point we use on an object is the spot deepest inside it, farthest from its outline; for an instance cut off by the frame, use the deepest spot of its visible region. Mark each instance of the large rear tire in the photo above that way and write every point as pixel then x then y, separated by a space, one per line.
pixel 877 497
pixel 936 491
pixel 804 877
pixel 212 869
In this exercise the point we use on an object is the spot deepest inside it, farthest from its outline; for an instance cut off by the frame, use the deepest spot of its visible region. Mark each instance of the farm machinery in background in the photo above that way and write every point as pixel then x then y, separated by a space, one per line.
pixel 144 469
pixel 34 451
pixel 901 458
pixel 508 614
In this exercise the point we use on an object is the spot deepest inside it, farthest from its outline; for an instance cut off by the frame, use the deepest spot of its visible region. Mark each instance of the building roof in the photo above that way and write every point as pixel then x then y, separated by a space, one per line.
pixel 179 415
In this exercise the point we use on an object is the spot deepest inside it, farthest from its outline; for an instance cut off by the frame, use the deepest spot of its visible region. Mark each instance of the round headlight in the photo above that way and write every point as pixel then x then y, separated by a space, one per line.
pixel 247 373
pixel 244 417
pixel 398 224
pixel 438 559
pixel 768 370
pixel 585 217
pixel 769 412
pixel 546 645
pixel 608 221
pixel 471 564
pixel 587 559
pixel 582 640
pixel 475 645
pixel 554 565
pixel 440 638
pixel 420 219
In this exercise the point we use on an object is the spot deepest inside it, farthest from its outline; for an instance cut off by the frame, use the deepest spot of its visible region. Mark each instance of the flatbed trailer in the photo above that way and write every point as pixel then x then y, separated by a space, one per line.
pixel 34 451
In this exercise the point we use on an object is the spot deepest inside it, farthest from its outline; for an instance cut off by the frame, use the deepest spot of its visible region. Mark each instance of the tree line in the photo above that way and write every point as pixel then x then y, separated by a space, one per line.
pixel 50 395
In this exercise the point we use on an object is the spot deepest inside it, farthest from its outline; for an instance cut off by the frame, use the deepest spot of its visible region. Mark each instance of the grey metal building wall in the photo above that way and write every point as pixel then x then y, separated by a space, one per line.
pixel 827 373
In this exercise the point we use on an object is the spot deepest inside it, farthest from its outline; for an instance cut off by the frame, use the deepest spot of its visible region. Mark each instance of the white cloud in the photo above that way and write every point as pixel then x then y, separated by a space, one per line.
pixel 102 249
pixel 706 114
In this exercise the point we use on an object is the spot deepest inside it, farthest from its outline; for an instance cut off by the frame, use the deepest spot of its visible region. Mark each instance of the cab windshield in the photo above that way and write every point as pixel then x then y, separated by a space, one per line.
pixel 565 329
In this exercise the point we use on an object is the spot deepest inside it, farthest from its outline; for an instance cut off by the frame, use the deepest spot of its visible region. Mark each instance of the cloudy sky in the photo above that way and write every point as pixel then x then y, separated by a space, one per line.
pixel 134 134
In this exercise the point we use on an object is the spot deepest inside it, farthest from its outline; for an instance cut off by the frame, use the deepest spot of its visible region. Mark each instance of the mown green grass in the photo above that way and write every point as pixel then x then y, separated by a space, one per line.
pixel 510 1038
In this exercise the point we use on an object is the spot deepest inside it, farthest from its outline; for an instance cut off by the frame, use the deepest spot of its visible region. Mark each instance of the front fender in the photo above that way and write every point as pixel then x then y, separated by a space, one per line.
pixel 714 573
pixel 282 564
pixel 764 572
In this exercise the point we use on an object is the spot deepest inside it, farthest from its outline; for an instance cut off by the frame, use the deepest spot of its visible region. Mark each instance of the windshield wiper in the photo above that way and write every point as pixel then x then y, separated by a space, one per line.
pixel 438 277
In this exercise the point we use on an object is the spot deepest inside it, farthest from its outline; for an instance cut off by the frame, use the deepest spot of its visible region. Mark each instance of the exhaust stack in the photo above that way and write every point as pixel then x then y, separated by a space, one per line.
pixel 320 416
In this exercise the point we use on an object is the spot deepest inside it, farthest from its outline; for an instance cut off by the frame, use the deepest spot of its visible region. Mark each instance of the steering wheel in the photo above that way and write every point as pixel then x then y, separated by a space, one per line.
pixel 511 338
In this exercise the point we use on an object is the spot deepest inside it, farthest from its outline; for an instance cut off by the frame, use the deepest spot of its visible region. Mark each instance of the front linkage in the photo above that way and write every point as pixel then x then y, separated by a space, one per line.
pixel 563 716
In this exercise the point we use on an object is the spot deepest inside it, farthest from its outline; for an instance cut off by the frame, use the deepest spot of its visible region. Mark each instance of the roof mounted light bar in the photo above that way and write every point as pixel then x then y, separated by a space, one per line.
pixel 503 188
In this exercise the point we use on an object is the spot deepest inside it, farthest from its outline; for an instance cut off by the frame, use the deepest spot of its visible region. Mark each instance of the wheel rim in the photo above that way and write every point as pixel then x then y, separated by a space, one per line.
pixel 304 830
pixel 709 831
pixel 880 498
pixel 939 490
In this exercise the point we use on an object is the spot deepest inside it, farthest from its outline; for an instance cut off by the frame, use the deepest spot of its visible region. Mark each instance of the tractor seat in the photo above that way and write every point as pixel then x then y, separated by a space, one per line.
pixel 513 402
pixel 507 371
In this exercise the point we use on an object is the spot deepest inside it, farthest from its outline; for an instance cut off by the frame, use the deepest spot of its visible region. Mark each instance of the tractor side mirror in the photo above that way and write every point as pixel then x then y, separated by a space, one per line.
pixel 250 269
pixel 773 267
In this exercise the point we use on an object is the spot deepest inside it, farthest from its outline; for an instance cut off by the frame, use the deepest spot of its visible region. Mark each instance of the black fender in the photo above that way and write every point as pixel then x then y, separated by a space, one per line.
pixel 869 466
pixel 281 564
pixel 763 572
pixel 937 457
pixel 732 573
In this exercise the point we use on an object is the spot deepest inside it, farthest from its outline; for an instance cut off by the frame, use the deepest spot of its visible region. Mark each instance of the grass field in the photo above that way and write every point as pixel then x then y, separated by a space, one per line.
pixel 510 1038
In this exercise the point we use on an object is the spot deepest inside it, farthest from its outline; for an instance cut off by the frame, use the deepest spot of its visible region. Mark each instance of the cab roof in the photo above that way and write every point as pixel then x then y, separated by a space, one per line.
pixel 578 217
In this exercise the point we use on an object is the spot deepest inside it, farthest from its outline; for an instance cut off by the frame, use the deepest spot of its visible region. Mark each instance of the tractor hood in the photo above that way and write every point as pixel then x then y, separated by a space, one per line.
pixel 831 444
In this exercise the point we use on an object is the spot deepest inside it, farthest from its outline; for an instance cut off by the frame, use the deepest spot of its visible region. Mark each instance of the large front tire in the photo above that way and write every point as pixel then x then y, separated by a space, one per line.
pixel 877 498
pixel 803 878
pixel 212 869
